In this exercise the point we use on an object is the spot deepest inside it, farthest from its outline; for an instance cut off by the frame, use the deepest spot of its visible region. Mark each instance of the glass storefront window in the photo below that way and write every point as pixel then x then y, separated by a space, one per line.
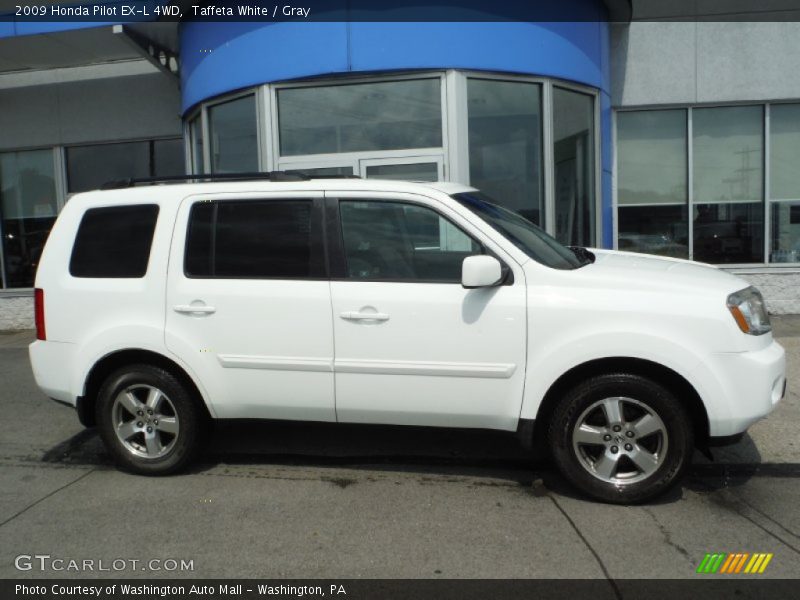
pixel 396 129
pixel 505 144
pixel 784 137
pixel 652 176
pixel 785 217
pixel 28 209
pixel 89 167
pixel 421 171
pixel 196 144
pixel 728 150
pixel 387 115
pixel 233 136
pixel 167 158
pixel 574 166
pixel 323 171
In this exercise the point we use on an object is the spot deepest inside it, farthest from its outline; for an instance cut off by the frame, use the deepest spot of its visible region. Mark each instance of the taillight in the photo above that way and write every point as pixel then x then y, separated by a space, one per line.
pixel 38 303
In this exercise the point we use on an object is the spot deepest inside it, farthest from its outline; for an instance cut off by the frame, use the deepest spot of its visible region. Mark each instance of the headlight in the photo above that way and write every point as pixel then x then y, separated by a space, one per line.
pixel 747 308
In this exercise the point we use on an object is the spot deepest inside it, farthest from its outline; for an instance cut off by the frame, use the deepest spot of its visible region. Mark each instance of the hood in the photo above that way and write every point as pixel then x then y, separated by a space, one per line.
pixel 645 271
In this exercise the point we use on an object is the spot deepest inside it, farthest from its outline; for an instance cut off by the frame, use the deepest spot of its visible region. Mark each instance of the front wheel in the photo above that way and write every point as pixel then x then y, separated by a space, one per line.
pixel 621 438
pixel 148 420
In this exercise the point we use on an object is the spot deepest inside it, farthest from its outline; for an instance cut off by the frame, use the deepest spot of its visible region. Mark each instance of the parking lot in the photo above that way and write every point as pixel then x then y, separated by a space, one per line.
pixel 307 501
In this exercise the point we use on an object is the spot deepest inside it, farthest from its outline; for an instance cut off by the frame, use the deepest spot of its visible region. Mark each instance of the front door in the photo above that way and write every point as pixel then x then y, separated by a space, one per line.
pixel 412 345
pixel 248 304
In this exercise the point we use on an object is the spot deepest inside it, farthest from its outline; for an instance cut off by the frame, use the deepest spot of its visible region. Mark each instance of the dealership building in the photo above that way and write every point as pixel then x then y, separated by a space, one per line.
pixel 665 128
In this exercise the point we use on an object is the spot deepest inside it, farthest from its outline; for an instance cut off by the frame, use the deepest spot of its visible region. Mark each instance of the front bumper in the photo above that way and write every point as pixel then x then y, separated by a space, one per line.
pixel 740 388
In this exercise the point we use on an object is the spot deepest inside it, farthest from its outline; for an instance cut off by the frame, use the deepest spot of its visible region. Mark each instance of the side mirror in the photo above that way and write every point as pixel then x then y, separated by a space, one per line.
pixel 481 271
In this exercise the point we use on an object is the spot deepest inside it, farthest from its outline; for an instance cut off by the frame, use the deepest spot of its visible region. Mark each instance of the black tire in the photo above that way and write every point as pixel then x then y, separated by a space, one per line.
pixel 176 450
pixel 581 463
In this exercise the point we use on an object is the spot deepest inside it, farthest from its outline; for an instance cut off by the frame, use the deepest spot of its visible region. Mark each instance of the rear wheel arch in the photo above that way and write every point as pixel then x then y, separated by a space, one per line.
pixel 659 373
pixel 132 356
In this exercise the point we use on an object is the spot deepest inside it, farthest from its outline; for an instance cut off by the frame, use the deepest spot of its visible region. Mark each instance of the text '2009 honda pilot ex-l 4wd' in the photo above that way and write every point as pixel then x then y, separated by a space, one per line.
pixel 160 307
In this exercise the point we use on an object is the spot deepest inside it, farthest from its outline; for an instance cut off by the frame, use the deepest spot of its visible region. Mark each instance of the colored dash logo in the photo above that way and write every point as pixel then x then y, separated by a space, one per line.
pixel 735 562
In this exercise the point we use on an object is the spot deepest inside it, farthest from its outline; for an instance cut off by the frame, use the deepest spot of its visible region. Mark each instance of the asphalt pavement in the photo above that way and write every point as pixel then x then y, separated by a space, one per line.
pixel 295 500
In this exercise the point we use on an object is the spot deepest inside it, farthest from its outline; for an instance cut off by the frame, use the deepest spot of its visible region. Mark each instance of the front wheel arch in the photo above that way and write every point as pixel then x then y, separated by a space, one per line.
pixel 662 375
pixel 121 358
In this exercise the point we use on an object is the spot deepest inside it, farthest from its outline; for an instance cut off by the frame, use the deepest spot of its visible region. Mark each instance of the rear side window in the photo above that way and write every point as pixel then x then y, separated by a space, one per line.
pixel 252 239
pixel 114 242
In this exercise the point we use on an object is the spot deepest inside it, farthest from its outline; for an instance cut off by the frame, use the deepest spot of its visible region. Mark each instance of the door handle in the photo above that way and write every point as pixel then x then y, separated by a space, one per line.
pixel 354 315
pixel 190 308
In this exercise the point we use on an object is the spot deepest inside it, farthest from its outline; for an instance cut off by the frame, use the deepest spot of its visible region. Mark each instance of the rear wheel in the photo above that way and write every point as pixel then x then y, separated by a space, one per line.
pixel 621 438
pixel 148 420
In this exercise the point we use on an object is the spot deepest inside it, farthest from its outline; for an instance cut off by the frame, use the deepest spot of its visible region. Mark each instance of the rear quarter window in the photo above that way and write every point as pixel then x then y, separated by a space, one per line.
pixel 114 242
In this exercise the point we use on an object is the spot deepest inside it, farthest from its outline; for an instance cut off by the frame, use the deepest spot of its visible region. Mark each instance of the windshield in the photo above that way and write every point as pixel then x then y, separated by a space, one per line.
pixel 526 236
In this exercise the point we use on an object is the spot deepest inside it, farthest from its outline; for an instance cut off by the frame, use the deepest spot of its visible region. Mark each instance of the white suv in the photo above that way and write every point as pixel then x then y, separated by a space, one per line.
pixel 161 307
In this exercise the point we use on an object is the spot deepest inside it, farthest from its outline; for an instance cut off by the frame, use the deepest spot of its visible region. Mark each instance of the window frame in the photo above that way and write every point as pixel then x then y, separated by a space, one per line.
pixel 334 234
pixel 319 253
pixel 742 268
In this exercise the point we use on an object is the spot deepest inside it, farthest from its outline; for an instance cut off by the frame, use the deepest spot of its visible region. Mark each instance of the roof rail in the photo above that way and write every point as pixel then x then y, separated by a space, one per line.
pixel 211 177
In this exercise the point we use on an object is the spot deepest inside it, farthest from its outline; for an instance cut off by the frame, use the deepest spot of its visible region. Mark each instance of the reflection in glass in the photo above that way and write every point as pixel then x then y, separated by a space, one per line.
pixel 658 229
pixel 728 184
pixel 387 115
pixel 28 210
pixel 573 152
pixel 505 144
pixel 406 172
pixel 233 136
pixel 784 152
pixel 89 167
pixel 402 242
pixel 729 233
pixel 323 171
pixel 196 142
pixel 652 182
pixel 785 217
pixel 167 158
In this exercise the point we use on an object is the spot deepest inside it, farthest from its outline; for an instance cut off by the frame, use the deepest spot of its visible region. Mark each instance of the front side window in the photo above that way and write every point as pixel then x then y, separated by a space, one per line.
pixel 28 210
pixel 398 241
pixel 251 239
pixel 114 242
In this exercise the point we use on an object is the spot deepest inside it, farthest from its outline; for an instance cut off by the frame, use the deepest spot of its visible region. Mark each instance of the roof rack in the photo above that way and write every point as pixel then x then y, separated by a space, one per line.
pixel 211 177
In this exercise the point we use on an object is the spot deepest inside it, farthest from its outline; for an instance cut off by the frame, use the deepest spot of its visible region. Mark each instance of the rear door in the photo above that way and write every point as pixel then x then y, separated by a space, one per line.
pixel 248 304
pixel 412 345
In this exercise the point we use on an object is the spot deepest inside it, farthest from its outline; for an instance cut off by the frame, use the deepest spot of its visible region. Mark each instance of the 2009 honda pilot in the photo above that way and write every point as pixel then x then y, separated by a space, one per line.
pixel 159 307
